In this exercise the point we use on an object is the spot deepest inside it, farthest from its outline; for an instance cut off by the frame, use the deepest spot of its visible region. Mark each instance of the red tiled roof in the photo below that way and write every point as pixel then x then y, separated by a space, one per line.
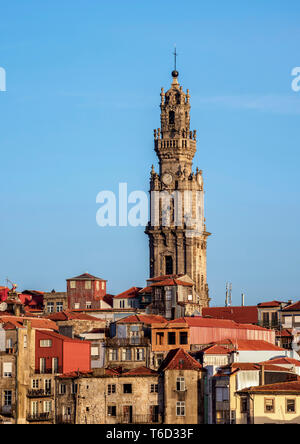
pixel 283 361
pixel 179 359
pixel 243 315
pixel 86 276
pixel 216 350
pixel 285 333
pixel 140 371
pixel 250 366
pixel 143 319
pixel 36 323
pixel 244 344
pixel 164 277
pixel 146 290
pixel 68 315
pixel 52 334
pixel 133 292
pixel 270 304
pixel 171 283
pixel 293 307
pixel 280 387
pixel 198 321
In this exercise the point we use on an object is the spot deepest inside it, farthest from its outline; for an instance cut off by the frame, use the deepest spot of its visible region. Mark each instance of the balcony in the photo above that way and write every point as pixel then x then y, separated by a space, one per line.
pixel 65 419
pixel 39 417
pixel 39 393
pixel 7 410
pixel 139 419
pixel 127 342
pixel 49 371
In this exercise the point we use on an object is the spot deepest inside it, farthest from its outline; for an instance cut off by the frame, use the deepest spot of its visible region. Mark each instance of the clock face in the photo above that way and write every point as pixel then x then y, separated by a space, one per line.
pixel 167 179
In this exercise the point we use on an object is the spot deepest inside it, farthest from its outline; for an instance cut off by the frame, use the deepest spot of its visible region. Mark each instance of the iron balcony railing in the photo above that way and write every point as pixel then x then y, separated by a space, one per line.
pixel 49 371
pixel 38 417
pixel 7 410
pixel 126 342
pixel 39 393
pixel 139 419
pixel 65 419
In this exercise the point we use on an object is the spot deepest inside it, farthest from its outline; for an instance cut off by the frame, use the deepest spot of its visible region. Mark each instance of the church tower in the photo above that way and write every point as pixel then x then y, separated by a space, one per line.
pixel 176 246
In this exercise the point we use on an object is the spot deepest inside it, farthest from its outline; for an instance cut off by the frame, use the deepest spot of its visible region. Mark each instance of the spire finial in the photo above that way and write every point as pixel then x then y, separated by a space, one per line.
pixel 175 73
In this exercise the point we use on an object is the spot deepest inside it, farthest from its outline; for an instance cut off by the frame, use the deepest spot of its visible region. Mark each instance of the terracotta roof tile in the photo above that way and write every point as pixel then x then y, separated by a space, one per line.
pixel 283 361
pixel 243 315
pixel 133 292
pixel 293 307
pixel 271 304
pixel 142 319
pixel 86 276
pixel 281 387
pixel 179 359
pixel 140 371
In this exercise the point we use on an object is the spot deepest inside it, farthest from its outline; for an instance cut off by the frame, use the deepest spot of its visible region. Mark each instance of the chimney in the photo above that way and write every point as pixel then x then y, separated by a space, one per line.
pixel 243 300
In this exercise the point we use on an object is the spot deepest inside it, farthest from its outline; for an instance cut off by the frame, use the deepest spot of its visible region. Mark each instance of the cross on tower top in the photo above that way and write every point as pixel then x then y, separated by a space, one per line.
pixel 175 73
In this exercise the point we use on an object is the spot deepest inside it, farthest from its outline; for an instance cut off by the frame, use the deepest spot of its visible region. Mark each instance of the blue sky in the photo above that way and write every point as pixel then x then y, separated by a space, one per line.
pixel 83 85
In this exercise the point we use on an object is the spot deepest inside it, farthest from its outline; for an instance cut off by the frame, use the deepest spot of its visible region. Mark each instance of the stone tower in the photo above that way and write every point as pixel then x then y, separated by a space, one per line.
pixel 176 245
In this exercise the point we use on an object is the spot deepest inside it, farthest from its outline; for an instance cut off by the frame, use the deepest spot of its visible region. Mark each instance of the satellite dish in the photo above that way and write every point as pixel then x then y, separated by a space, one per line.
pixel 3 306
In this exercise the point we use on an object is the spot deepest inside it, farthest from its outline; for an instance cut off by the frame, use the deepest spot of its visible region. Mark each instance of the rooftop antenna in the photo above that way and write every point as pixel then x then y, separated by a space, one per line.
pixel 230 294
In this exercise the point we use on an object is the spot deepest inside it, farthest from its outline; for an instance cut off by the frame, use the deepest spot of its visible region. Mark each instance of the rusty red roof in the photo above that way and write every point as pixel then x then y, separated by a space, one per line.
pixel 243 315
pixel 293 307
pixel 36 323
pixel 271 304
pixel 133 292
pixel 140 371
pixel 171 283
pixel 179 359
pixel 280 387
pixel 217 350
pixel 68 315
pixel 86 276
pixel 283 361
pixel 142 319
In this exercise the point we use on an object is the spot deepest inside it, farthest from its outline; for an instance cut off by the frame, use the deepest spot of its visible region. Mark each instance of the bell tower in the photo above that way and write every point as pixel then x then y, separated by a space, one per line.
pixel 177 233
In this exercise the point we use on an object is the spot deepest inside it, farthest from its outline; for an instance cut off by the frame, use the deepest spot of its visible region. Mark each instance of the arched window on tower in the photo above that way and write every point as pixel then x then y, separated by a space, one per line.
pixel 169 265
pixel 171 117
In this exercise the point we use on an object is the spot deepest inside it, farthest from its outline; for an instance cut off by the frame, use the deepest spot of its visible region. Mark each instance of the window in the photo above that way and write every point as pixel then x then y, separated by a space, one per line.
pixel 62 389
pixel 183 338
pixel 34 408
pixel 154 388
pixel 7 397
pixel 77 306
pixel 171 338
pixel 180 384
pixel 44 343
pixel 140 354
pixel 112 410
pixel 47 406
pixel 88 285
pixel 95 351
pixel 9 344
pixel 122 304
pixel 88 305
pixel 111 388
pixel 50 307
pixel 42 365
pixel 59 306
pixel 102 285
pixel 73 284
pixel 159 338
pixel 169 265
pixel 127 388
pixel 35 383
pixel 126 354
pixel 25 341
pixel 269 405
pixel 291 406
pixel 244 405
pixel 74 388
pixel 222 394
pixel 113 354
pixel 54 365
pixel 48 384
pixel 7 369
pixel 266 318
pixel 180 409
